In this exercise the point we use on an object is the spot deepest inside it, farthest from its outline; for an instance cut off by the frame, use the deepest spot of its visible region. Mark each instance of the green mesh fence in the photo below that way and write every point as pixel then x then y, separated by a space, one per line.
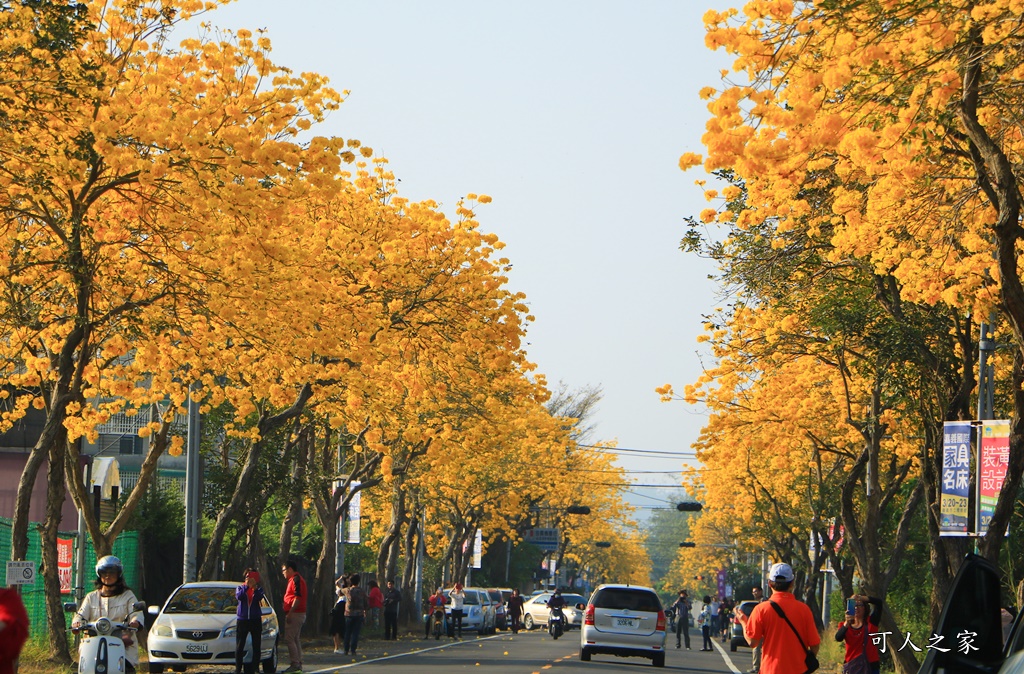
pixel 126 548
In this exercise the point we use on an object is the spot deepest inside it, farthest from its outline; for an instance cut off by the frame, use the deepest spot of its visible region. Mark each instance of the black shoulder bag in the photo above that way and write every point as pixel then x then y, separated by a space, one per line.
pixel 810 659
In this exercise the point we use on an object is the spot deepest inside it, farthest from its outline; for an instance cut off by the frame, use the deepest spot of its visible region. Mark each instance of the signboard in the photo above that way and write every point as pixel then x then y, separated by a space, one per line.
pixel 478 548
pixel 545 539
pixel 65 553
pixel 354 510
pixel 21 573
pixel 993 460
pixel 954 482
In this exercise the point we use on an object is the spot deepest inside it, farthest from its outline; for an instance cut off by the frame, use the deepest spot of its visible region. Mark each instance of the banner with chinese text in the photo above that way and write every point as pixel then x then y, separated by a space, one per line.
pixel 993 459
pixel 65 553
pixel 955 478
pixel 354 511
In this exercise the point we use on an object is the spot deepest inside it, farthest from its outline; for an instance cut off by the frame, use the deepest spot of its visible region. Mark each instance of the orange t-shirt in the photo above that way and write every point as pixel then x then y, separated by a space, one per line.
pixel 781 652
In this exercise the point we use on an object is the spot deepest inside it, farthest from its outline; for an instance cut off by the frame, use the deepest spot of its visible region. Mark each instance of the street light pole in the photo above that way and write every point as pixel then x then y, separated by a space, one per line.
pixel 192 471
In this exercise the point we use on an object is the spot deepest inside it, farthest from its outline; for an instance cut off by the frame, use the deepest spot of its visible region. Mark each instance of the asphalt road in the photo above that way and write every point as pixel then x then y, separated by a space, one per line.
pixel 525 653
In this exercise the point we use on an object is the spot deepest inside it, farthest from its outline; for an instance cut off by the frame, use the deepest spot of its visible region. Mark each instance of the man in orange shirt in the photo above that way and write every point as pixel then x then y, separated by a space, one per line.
pixel 294 614
pixel 781 652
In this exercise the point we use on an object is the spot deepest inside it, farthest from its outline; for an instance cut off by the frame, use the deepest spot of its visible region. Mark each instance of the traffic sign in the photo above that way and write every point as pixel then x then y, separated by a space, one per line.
pixel 544 538
pixel 21 573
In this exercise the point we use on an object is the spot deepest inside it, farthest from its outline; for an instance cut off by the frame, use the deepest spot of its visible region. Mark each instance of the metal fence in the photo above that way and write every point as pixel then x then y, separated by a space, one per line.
pixel 126 548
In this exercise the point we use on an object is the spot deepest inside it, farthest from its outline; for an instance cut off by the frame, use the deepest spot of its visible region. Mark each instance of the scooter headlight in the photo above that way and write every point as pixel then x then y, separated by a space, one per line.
pixel 104 626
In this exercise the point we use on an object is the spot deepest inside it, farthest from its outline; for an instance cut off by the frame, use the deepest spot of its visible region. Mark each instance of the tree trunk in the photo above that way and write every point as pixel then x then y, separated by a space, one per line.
pixel 409 607
pixel 241 497
pixel 51 578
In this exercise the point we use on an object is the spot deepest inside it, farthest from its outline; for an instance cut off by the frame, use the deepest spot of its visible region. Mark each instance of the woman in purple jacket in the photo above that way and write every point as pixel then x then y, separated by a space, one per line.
pixel 250 621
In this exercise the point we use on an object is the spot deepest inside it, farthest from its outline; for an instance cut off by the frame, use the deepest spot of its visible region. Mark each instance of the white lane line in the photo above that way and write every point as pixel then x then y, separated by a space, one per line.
pixel 399 655
pixel 725 656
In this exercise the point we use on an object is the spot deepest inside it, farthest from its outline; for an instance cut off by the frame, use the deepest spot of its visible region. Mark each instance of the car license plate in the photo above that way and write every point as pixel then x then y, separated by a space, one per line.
pixel 196 648
pixel 625 622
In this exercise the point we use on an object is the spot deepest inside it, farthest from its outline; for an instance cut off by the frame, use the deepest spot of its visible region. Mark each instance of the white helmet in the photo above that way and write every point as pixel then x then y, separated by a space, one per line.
pixel 107 563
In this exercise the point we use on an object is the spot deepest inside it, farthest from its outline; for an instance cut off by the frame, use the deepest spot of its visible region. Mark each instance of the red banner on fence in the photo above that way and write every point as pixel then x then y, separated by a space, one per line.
pixel 65 553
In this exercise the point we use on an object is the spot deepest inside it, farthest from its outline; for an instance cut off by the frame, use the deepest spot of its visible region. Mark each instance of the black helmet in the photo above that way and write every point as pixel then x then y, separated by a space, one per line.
pixel 108 563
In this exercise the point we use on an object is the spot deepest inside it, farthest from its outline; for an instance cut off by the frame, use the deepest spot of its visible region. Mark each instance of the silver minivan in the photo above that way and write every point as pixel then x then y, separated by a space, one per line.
pixel 626 621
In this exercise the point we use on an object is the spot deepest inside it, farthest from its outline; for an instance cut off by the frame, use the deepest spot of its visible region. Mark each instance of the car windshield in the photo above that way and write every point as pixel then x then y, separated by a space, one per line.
pixel 203 600
pixel 625 598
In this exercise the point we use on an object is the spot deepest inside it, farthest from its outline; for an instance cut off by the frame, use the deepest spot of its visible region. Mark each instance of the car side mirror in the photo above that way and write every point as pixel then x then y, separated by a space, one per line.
pixel 70 607
pixel 153 610
pixel 266 610
pixel 139 606
pixel 581 606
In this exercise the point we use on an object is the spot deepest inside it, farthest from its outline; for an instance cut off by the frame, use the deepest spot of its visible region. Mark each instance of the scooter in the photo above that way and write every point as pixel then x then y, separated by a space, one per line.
pixel 102 650
pixel 555 623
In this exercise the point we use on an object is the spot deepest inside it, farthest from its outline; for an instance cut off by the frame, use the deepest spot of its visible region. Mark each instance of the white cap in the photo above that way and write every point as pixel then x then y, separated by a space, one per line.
pixel 781 572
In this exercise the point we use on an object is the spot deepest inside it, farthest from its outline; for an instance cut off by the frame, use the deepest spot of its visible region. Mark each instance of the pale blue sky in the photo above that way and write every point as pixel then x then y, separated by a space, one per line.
pixel 572 116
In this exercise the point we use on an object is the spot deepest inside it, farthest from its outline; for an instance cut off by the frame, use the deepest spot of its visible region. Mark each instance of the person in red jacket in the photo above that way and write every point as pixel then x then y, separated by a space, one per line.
pixel 13 628
pixel 376 599
pixel 295 596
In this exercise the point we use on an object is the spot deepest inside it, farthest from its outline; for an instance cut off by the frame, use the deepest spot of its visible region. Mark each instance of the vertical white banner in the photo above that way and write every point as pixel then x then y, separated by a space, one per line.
pixel 478 548
pixel 353 514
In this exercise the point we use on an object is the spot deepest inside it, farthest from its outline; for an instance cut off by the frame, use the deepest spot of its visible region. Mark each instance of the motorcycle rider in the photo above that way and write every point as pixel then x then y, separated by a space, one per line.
pixel 112 600
pixel 555 606
pixel 435 610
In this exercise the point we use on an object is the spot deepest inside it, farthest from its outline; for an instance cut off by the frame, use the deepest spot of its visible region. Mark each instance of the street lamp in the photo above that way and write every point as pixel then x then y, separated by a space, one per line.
pixel 689 506
pixel 602 544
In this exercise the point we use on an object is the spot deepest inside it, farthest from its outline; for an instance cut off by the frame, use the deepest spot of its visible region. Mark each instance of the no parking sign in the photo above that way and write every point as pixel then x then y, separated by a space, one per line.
pixel 21 573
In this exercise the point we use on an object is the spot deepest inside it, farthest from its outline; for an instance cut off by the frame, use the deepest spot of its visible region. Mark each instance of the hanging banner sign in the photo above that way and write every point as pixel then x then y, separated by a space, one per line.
pixel 354 507
pixel 993 460
pixel 955 479
pixel 478 548
pixel 65 553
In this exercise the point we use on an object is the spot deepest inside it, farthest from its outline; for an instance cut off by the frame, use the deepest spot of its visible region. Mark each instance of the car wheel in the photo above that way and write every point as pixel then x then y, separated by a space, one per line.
pixel 528 622
pixel 270 664
pixel 177 668
pixel 658 660
pixel 585 654
pixel 732 645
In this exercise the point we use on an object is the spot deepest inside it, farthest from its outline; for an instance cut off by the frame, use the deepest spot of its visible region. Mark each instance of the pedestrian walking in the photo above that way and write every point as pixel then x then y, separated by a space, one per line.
pixel 515 610
pixel 295 596
pixel 755 658
pixel 375 599
pixel 248 621
pixel 704 622
pixel 682 607
pixel 862 655
pixel 458 597
pixel 337 626
pixel 356 604
pixel 785 626
pixel 392 599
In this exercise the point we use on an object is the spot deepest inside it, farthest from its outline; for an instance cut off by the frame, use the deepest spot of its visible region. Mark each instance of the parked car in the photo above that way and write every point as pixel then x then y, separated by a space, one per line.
pixel 736 637
pixel 498 602
pixel 535 610
pixel 477 612
pixel 971 612
pixel 196 626
pixel 625 621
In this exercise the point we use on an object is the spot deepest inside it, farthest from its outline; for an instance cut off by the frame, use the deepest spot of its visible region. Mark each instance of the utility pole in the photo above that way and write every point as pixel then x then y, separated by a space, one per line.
pixel 192 475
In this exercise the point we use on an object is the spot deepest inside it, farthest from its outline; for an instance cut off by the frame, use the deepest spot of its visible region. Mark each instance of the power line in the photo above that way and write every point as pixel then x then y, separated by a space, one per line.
pixel 651 452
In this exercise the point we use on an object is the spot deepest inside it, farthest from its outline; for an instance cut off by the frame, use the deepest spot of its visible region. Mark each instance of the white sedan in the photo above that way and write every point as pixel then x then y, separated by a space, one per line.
pixel 196 626
pixel 535 610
